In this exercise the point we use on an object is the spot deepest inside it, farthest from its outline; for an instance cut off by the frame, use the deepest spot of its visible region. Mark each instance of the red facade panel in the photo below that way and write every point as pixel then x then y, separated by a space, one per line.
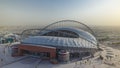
pixel 28 47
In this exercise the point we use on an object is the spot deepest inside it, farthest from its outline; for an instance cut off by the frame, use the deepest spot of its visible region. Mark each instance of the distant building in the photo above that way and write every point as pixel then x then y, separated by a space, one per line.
pixel 9 38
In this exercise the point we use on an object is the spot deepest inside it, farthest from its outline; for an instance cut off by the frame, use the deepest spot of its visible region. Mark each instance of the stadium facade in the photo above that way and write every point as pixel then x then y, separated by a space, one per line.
pixel 62 43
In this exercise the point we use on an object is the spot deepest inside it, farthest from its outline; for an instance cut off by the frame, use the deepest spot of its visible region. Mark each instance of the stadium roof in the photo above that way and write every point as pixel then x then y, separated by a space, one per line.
pixel 85 39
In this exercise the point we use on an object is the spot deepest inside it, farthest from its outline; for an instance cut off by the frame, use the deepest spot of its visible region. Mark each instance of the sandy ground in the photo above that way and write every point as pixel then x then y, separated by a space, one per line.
pixel 6 61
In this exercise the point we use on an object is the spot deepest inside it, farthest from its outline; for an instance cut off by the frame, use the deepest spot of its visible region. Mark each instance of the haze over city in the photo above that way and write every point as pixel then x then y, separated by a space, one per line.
pixel 38 12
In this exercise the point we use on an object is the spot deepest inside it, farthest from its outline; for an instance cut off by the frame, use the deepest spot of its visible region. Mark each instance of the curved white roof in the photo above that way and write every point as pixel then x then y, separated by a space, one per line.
pixel 58 42
pixel 85 39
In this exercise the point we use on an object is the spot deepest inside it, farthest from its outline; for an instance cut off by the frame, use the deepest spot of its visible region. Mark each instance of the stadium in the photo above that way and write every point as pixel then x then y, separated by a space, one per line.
pixel 58 41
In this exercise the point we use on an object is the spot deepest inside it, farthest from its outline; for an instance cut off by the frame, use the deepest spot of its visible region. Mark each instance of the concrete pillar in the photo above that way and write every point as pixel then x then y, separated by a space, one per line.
pixel 20 52
pixel 52 55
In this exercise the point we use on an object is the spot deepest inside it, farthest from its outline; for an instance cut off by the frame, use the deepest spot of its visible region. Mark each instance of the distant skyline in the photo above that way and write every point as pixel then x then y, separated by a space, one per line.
pixel 41 12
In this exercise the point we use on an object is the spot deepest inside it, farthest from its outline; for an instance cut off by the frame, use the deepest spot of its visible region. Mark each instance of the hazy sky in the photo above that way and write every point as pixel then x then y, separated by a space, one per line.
pixel 38 12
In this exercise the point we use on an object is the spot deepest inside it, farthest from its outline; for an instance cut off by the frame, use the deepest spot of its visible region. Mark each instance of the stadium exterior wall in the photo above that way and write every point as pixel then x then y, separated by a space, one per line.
pixel 22 47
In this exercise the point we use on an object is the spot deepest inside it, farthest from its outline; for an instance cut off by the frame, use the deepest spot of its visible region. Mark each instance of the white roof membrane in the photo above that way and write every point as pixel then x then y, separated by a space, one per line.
pixel 85 39
pixel 58 42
